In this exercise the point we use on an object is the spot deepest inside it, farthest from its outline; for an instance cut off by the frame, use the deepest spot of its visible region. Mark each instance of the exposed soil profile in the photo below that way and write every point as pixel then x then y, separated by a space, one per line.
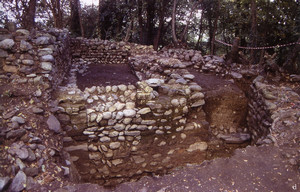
pixel 112 74
pixel 226 104
pixel 227 109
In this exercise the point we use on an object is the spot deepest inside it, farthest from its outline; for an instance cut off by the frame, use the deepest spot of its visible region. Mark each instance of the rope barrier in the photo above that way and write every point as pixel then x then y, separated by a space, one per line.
pixel 256 48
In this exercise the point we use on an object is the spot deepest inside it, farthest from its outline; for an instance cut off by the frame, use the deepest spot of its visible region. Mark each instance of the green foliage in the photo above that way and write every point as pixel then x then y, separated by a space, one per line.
pixel 113 18
pixel 278 21
pixel 89 20
pixel 3 19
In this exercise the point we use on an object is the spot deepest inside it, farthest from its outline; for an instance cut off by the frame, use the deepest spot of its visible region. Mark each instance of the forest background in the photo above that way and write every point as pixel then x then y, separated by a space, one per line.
pixel 192 24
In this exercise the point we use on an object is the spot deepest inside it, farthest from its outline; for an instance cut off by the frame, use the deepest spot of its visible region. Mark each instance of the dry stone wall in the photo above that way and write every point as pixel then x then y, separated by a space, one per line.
pixel 108 126
pixel 114 131
pixel 32 65
pixel 40 59
pixel 272 109
pixel 104 51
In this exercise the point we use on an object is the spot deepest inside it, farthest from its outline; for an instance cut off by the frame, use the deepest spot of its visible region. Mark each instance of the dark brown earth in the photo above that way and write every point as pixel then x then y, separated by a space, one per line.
pixel 250 169
pixel 226 103
pixel 112 74
pixel 210 81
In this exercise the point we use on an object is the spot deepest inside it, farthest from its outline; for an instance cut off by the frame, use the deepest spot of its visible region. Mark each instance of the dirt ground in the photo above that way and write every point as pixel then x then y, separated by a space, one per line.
pixel 267 172
pixel 112 74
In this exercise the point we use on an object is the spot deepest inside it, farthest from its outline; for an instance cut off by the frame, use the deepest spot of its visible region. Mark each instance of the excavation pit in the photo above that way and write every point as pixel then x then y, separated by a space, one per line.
pixel 103 74
pixel 122 132
pixel 133 114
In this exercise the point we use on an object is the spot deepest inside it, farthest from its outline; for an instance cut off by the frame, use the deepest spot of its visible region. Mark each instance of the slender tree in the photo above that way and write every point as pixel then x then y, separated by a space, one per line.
pixel 57 13
pixel 183 35
pixel 253 31
pixel 200 31
pixel 214 30
pixel 98 27
pixel 175 40
pixel 75 23
pixel 291 62
pixel 140 20
pixel 150 21
pixel 162 10
pixel 131 20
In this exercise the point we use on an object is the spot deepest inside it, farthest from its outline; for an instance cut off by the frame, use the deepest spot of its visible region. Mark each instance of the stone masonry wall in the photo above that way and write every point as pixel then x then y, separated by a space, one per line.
pixel 40 59
pixel 104 51
pixel 116 133
pixel 113 132
pixel 268 108
pixel 32 65
pixel 259 120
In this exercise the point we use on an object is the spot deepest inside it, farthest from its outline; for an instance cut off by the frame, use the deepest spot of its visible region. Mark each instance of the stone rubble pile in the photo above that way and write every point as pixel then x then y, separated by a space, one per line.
pixel 207 63
pixel 32 64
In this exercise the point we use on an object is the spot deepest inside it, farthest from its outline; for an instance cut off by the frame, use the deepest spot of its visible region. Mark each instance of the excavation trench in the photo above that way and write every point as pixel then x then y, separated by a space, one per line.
pixel 124 111
pixel 118 131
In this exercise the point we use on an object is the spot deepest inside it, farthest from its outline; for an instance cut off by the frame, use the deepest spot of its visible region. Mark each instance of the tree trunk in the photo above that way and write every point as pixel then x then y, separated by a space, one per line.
pixel 212 43
pixel 129 29
pixel 98 27
pixel 233 56
pixel 200 31
pixel 291 64
pixel 175 40
pixel 140 21
pixel 183 35
pixel 162 11
pixel 59 20
pixel 150 21
pixel 210 26
pixel 29 15
pixel 57 15
pixel 75 25
pixel 80 22
pixel 253 36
